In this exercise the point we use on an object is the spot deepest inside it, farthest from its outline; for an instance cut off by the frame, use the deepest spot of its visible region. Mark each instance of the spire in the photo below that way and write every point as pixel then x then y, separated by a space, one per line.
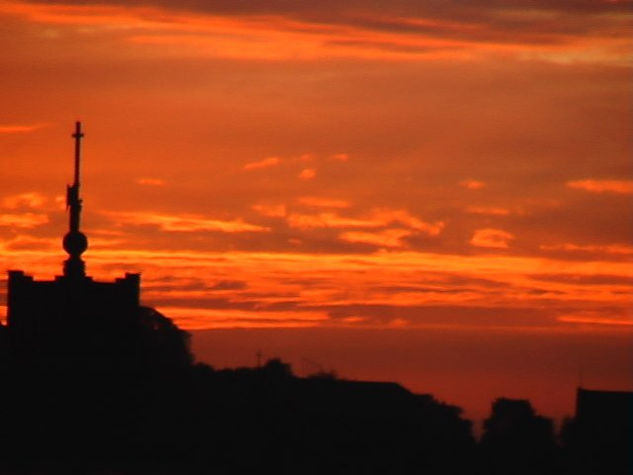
pixel 75 242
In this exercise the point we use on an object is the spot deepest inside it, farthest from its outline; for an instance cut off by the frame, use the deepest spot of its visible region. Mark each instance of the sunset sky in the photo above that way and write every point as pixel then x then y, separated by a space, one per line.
pixel 436 192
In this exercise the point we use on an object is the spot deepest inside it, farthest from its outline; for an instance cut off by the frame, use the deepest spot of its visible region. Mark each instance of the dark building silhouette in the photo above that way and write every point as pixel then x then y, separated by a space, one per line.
pixel 604 415
pixel 73 318
pixel 599 439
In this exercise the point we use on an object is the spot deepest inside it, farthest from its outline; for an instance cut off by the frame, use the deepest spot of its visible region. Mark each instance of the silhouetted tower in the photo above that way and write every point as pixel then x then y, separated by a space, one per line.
pixel 73 320
pixel 75 242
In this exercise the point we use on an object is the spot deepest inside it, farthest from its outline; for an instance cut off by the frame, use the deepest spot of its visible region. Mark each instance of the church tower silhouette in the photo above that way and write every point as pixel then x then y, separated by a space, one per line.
pixel 73 320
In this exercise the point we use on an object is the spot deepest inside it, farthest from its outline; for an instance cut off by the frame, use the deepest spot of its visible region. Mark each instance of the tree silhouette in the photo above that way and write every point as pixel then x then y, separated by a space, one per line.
pixel 516 440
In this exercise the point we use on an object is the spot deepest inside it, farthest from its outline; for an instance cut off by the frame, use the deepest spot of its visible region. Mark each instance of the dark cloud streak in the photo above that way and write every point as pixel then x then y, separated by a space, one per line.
pixel 540 22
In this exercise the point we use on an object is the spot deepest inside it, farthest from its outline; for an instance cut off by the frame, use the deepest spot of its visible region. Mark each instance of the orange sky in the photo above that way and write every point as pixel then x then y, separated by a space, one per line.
pixel 342 165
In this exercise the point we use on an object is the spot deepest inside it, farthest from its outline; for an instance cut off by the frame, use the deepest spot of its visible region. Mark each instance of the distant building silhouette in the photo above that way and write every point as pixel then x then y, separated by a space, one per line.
pixel 58 323
pixel 603 415
pixel 600 436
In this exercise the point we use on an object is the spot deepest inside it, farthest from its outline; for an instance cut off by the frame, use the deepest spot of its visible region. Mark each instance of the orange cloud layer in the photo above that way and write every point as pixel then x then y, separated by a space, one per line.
pixel 183 222
pixel 603 186
pixel 374 288
pixel 380 34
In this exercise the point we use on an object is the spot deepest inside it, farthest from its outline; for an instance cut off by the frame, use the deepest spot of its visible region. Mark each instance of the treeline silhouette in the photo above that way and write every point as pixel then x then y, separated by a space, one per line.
pixel 155 411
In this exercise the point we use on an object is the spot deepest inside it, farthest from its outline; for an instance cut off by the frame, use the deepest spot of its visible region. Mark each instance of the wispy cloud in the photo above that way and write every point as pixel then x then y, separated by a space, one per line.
pixel 377 218
pixel 491 238
pixel 341 157
pixel 272 210
pixel 595 248
pixel 488 210
pixel 184 222
pixel 31 199
pixel 386 238
pixel 472 184
pixel 603 186
pixel 151 181
pixel 24 242
pixel 320 202
pixel 595 320
pixel 388 216
pixel 264 163
pixel 329 220
pixel 23 220
pixel 20 129
pixel 307 174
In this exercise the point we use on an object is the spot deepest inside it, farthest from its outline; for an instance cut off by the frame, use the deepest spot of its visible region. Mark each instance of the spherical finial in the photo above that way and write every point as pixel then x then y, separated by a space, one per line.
pixel 75 243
